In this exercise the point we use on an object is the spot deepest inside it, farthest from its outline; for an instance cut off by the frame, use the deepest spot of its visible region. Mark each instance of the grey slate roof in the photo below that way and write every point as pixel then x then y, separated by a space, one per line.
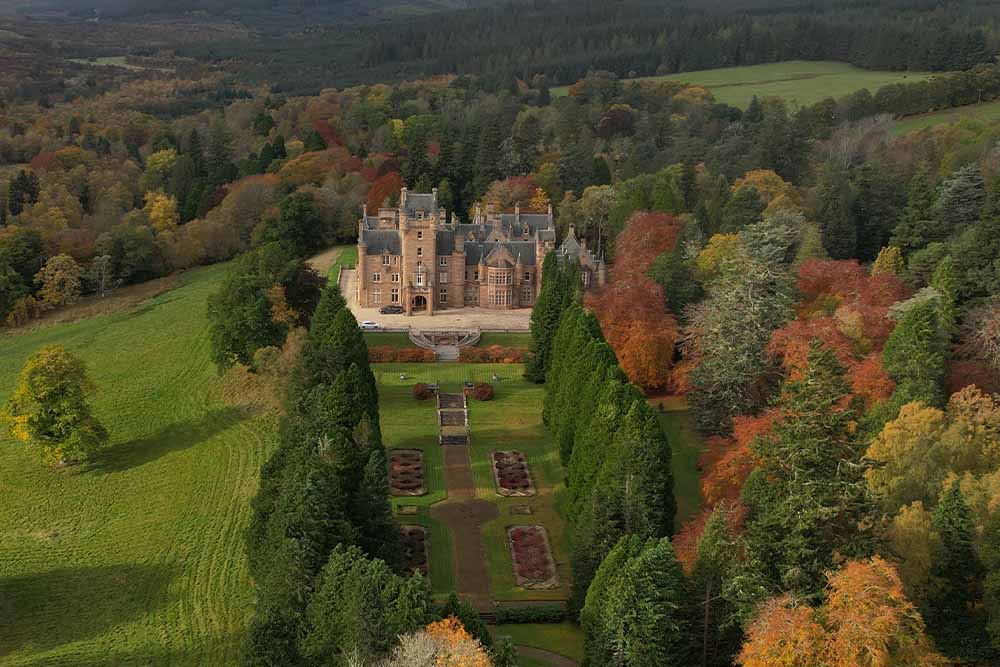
pixel 381 240
pixel 416 201
pixel 445 243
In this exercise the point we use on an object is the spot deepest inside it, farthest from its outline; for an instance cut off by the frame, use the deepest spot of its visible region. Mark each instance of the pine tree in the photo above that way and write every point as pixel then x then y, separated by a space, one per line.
pixel 832 207
pixel 916 228
pixel 975 252
pixel 963 197
pixel 713 617
pixel 915 355
pixel 952 611
pixel 807 499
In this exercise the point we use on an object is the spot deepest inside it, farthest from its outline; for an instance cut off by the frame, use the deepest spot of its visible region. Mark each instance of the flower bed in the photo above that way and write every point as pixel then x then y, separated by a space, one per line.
pixel 382 354
pixel 406 472
pixel 415 548
pixel 532 558
pixel 494 354
pixel 510 472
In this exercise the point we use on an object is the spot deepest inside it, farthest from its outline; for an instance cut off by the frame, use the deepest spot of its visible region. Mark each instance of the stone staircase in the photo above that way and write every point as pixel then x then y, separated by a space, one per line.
pixel 453 419
pixel 444 344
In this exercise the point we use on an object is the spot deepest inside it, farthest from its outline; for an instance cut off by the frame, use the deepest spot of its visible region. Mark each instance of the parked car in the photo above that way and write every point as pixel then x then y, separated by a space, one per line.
pixel 368 325
pixel 392 309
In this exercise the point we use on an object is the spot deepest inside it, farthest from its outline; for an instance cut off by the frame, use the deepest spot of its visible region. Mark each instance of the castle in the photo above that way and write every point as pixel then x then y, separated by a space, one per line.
pixel 412 257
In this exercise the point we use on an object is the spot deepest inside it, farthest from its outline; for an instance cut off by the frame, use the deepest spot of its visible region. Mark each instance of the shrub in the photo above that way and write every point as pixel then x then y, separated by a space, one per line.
pixel 494 354
pixel 422 391
pixel 386 354
pixel 543 613
pixel 483 391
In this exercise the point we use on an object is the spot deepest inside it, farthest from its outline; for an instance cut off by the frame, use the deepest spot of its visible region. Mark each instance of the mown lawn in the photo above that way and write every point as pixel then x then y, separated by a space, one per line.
pixel 686 445
pixel 390 339
pixel 799 82
pixel 522 340
pixel 137 559
pixel 563 638
pixel 348 258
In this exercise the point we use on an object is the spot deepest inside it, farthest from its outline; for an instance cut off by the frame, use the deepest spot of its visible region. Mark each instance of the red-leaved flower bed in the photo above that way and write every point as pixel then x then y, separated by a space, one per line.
pixel 532 560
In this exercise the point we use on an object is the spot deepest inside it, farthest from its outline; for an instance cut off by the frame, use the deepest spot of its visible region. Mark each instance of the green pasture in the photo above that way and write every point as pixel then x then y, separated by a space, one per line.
pixel 799 82
pixel 521 340
pixel 137 558
pixel 974 113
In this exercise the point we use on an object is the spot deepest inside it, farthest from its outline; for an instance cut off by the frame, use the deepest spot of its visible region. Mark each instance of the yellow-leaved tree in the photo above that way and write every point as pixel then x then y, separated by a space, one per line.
pixel 49 409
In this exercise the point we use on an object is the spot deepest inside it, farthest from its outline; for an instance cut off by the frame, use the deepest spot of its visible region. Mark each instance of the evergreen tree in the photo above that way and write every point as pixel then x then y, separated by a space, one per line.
pixel 832 206
pixel 975 252
pixel 470 618
pixel 963 197
pixel 743 209
pixel 917 228
pixel 713 617
pixel 807 499
pixel 952 610
pixel 313 141
pixel 915 355
pixel 643 620
pixel 545 316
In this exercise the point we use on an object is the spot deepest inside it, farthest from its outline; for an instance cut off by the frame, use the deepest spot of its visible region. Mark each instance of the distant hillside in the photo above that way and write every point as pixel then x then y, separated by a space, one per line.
pixel 252 11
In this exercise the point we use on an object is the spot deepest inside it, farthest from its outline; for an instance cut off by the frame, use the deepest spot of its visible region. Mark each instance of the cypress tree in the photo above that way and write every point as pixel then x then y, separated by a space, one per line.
pixel 644 620
pixel 545 319
pixel 597 641
pixel 915 354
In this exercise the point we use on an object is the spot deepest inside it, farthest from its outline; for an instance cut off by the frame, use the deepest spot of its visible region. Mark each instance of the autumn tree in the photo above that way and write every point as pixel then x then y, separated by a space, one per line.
pixel 60 281
pixel 867 621
pixel 49 409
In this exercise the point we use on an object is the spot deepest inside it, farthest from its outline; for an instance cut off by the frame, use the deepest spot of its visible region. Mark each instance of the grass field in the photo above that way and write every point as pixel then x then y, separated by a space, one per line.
pixel 799 82
pixel 382 339
pixel 137 559
pixel 990 111
pixel 562 638
pixel 522 340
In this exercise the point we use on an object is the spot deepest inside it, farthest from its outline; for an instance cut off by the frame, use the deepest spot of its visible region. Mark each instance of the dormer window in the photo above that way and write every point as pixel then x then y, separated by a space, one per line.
pixel 420 215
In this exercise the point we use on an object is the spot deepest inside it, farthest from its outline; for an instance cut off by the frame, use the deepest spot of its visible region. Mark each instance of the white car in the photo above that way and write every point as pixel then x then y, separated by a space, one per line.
pixel 368 325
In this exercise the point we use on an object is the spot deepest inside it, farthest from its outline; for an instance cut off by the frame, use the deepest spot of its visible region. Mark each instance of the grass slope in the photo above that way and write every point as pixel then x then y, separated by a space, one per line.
pixel 800 82
pixel 565 639
pixel 137 559
pixel 686 445
pixel 989 111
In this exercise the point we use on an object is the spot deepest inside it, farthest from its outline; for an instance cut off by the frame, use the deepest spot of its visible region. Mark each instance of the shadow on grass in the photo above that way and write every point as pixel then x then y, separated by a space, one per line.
pixel 49 609
pixel 175 437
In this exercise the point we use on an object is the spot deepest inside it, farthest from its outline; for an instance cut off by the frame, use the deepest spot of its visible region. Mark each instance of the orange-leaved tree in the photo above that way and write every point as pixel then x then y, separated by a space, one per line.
pixel 867 621
pixel 631 307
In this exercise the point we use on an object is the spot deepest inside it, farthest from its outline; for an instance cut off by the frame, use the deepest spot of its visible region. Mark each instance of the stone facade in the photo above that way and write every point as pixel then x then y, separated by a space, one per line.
pixel 413 257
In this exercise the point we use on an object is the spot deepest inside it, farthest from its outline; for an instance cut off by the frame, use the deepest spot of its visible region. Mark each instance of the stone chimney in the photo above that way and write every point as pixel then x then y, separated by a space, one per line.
pixel 402 197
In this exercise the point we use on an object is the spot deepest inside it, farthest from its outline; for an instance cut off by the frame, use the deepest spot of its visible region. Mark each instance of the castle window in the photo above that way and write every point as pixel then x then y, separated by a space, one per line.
pixel 395 295
pixel 477 275
pixel 376 296
pixel 420 252
pixel 442 261
pixel 420 235
pixel 443 294
pixel 376 277
pixel 526 295
pixel 385 260
pixel 420 216
pixel 420 278
pixel 395 277
pixel 527 277
pixel 586 279
pixel 443 277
